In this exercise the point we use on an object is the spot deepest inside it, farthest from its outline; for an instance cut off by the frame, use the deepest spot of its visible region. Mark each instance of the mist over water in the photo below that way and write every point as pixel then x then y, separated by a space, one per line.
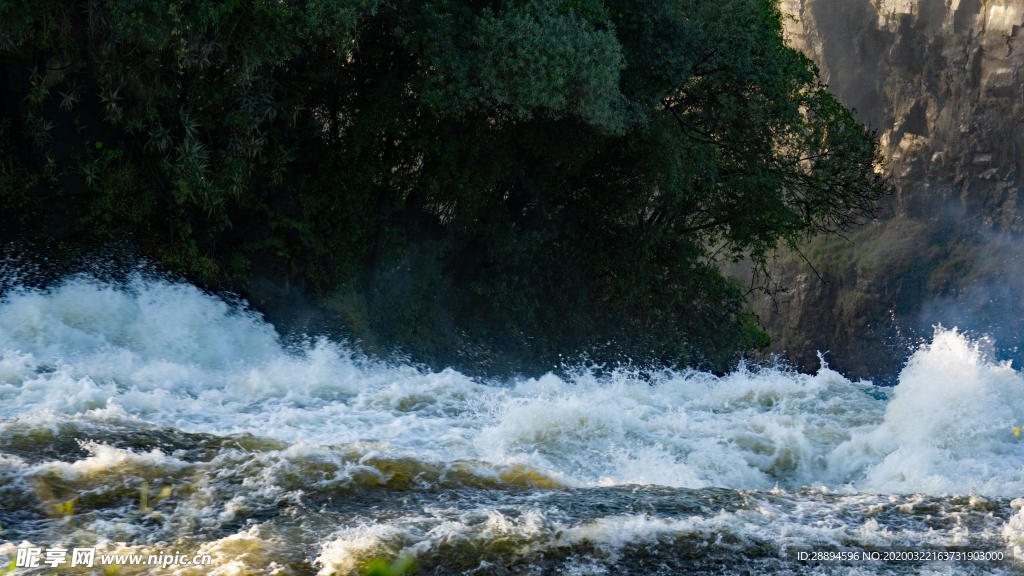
pixel 313 459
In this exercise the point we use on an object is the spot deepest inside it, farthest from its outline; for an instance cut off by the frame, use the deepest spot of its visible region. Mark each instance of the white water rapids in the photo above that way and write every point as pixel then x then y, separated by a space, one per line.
pixel 87 361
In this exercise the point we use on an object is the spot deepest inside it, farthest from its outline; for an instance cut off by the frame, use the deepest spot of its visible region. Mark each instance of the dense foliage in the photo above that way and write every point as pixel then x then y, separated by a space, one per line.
pixel 543 176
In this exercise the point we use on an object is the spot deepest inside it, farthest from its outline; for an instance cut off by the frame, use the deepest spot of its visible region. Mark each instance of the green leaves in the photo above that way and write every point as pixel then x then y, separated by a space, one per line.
pixel 787 158
pixel 539 175
pixel 531 59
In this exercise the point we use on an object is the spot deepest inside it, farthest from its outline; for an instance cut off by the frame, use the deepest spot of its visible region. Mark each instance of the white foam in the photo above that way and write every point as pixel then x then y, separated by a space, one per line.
pixel 169 354
pixel 948 427
pixel 354 546
pixel 534 531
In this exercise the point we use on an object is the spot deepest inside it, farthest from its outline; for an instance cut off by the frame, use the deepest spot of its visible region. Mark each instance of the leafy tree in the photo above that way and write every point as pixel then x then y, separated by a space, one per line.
pixel 543 176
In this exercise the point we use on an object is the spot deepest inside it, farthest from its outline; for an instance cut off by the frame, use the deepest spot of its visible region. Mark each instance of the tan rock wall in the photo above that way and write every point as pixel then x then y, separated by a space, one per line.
pixel 942 81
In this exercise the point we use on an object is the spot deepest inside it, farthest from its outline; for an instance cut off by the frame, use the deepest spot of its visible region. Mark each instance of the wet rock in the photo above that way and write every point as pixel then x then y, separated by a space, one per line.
pixel 940 80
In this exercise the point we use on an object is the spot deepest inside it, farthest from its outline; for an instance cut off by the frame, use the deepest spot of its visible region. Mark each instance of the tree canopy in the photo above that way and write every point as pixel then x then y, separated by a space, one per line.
pixel 545 176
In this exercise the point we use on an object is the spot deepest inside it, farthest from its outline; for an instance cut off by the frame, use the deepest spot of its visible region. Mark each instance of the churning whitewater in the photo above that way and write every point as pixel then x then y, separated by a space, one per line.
pixel 147 416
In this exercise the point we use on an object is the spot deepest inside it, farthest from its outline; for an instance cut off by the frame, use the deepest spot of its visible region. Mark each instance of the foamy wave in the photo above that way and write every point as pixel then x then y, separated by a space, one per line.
pixel 170 355
pixel 948 428
pixel 771 525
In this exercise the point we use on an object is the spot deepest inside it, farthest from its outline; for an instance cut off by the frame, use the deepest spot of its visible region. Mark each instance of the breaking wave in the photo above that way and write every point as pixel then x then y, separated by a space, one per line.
pixel 104 385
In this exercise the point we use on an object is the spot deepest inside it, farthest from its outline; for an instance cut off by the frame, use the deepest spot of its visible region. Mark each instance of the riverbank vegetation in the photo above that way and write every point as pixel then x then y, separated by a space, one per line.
pixel 541 177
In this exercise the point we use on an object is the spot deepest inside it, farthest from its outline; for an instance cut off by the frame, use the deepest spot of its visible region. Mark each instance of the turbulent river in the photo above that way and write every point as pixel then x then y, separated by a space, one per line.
pixel 146 417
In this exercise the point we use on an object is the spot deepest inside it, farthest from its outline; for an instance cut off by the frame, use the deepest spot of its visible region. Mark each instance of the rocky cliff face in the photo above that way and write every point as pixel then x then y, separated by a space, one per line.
pixel 941 81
